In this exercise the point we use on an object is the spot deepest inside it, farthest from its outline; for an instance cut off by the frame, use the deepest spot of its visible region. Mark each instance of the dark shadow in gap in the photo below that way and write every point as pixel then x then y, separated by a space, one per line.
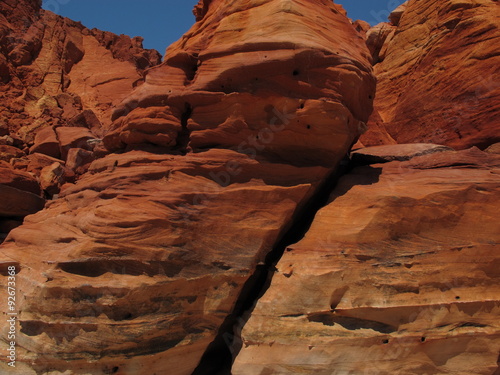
pixel 219 356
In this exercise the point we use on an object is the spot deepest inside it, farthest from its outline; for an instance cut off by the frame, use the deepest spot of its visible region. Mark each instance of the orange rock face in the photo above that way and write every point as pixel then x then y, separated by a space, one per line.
pixel 174 189
pixel 54 93
pixel 221 86
pixel 20 193
pixel 398 274
pixel 438 77
pixel 60 62
pixel 136 267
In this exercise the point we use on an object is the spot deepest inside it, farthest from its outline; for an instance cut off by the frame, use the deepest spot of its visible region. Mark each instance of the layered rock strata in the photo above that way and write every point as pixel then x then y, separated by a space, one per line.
pixel 398 274
pixel 438 79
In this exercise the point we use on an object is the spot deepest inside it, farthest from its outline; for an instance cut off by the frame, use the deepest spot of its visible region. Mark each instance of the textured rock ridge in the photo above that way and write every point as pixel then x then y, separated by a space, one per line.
pixel 184 235
pixel 438 77
pixel 292 63
pixel 134 268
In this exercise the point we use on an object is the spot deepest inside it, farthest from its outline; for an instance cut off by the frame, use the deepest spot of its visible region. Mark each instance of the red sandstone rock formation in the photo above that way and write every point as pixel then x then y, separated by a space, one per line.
pixel 55 95
pixel 210 166
pixel 397 275
pixel 135 268
pixel 438 77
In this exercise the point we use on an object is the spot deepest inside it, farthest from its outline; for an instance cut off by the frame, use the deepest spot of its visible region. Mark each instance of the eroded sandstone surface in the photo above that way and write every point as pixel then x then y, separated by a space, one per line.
pixel 191 223
pixel 398 274
pixel 436 64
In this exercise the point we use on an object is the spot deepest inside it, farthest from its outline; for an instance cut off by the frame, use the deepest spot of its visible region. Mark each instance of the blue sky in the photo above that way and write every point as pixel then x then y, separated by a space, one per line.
pixel 161 22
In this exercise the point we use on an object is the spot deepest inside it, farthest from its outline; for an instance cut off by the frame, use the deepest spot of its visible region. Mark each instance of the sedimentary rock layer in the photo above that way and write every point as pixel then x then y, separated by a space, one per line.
pixel 438 77
pixel 397 275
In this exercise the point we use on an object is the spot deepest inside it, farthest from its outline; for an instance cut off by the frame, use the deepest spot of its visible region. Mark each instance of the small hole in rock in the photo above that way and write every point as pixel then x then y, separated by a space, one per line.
pixel 302 106
pixel 115 369
pixel 295 72
pixel 386 341
pixel 370 96
pixel 308 126
pixel 422 339
pixel 457 297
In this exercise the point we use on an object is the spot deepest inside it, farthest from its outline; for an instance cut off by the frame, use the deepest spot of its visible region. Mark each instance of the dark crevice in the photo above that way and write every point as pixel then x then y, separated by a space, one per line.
pixel 331 319
pixel 98 267
pixel 184 135
pixel 219 356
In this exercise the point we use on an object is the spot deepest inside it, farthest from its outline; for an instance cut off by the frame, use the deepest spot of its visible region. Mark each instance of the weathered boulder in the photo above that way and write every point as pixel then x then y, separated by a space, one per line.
pixel 52 178
pixel 10 152
pixel 19 192
pixel 18 179
pixel 71 137
pixel 378 38
pixel 79 160
pixel 36 162
pixel 397 13
pixel 46 142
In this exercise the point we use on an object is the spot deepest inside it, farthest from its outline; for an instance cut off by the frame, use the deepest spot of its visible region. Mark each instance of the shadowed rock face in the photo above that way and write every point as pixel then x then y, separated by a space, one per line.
pixel 136 266
pixel 438 76
pixel 398 274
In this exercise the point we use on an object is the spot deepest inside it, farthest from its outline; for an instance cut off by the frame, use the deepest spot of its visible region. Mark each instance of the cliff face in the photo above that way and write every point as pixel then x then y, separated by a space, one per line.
pixel 201 231
pixel 398 274
pixel 51 68
pixel 214 157
pixel 438 77
pixel 56 100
